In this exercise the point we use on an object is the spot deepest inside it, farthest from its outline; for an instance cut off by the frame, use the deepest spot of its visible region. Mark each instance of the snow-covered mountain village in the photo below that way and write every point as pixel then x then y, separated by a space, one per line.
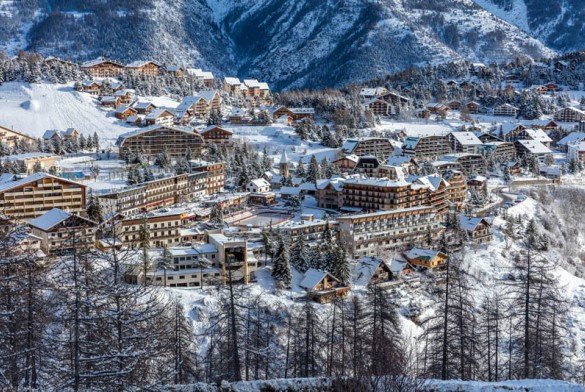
pixel 165 228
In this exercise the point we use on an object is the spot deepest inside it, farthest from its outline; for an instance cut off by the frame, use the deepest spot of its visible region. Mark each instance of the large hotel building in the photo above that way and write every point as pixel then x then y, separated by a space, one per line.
pixel 38 193
pixel 206 180
pixel 156 139
pixel 376 233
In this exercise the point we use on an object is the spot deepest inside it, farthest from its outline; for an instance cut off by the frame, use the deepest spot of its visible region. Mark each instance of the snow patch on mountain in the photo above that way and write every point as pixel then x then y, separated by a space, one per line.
pixel 515 14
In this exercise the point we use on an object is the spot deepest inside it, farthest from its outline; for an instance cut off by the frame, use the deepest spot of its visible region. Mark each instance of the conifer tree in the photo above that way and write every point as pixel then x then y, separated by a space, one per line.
pixel 281 264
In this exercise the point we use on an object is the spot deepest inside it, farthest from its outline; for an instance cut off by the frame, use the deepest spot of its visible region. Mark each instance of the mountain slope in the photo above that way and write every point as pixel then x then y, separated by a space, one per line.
pixel 289 43
pixel 560 24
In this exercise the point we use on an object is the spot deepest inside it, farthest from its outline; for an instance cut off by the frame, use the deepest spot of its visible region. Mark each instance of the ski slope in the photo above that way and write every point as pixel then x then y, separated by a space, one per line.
pixel 35 108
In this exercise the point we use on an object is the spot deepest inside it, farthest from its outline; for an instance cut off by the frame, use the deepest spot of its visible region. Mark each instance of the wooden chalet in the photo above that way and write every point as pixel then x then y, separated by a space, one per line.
pixel 217 135
pixel 322 287
pixel 160 117
pixel 61 232
pixel 146 68
pixel 103 68
pixel 370 271
pixel 477 229
pixel 296 114
pixel 425 258
pixel 123 112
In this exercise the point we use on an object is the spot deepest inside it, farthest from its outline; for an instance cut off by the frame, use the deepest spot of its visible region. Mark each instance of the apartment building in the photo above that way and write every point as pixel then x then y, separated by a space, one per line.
pixel 379 233
pixel 465 142
pixel 219 260
pixel 457 190
pixel 426 147
pixel 372 194
pixel 499 151
pixel 11 138
pixel 62 232
pixel 214 175
pixel 155 194
pixel 102 68
pixel 469 163
pixel 309 228
pixel 375 146
pixel 570 114
pixel 38 193
pixel 155 139
pixel 198 106
pixel 329 193
pixel 163 227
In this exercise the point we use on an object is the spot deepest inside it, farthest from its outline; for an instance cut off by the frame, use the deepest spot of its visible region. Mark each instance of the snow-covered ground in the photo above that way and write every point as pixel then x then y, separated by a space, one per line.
pixel 35 108
pixel 277 137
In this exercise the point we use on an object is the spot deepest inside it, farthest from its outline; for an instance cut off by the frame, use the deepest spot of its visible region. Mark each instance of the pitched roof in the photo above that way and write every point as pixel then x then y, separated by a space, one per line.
pixel 365 268
pixel 141 131
pixel 157 113
pixel 99 60
pixel 573 137
pixel 232 81
pixel 466 138
pixel 469 223
pixel 534 146
pixel 212 127
pixel 50 219
pixel 419 253
pixel 538 134
pixel 312 278
pixel 5 186
pixel 283 157
pixel 141 63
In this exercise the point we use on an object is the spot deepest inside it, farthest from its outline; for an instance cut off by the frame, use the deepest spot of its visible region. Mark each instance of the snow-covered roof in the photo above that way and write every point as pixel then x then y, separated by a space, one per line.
pixel 419 253
pixel 109 99
pixel 534 146
pixel 290 190
pixel 143 105
pixel 7 177
pixel 349 145
pixel 5 186
pixel 538 134
pixel 431 181
pixel 573 137
pixel 50 219
pixel 157 113
pixel 364 269
pixel 259 182
pixel 312 278
pixel 141 131
pixel 141 63
pixel 283 157
pixel 466 138
pixel 302 110
pixel 212 127
pixel 336 183
pixel 398 160
pixel 99 60
pixel 507 106
pixel 251 83
pixel 469 223
pixel 426 132
pixel 382 182
pixel 232 81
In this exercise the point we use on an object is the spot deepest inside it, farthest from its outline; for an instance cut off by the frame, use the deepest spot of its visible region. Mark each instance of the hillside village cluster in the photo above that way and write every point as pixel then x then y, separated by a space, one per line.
pixel 383 210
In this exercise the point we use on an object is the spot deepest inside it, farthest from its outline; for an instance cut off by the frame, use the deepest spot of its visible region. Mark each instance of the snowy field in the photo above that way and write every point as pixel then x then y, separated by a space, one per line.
pixel 35 108
pixel 277 137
